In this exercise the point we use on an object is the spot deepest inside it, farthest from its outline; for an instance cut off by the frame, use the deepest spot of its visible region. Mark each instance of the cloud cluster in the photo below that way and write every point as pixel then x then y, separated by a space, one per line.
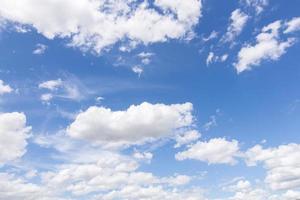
pixel 282 165
pixel 136 125
pixel 215 151
pixel 268 46
pixel 238 21
pixel 13 135
pixel 96 25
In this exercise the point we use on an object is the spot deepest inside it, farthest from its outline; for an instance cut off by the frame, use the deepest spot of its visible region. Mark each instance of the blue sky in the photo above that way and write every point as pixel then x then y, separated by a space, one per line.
pixel 149 100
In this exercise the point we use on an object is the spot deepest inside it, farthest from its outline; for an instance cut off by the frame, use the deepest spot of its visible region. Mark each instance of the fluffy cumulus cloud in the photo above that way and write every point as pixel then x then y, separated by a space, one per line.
pixel 4 88
pixel 187 137
pixel 114 176
pixel 215 151
pixel 282 165
pixel 243 190
pixel 269 46
pixel 17 188
pixel 96 24
pixel 13 135
pixel 137 124
pixel 238 21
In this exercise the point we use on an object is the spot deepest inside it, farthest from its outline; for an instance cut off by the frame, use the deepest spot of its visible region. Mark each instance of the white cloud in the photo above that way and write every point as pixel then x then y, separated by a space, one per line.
pixel 123 20
pixel 187 137
pixel 71 88
pixel 137 124
pixel 4 89
pixel 211 36
pixel 107 176
pixel 40 49
pixel 13 135
pixel 243 190
pixel 46 97
pixel 210 58
pixel 215 151
pixel 51 84
pixel 15 188
pixel 258 5
pixel 282 165
pixel 238 21
pixel 268 47
pixel 293 25
pixel 143 156
pixel 138 70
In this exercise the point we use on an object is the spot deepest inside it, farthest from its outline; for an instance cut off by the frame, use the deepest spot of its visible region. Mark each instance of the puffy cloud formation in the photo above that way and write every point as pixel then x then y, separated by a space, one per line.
pixel 238 21
pixel 137 124
pixel 17 188
pixel 268 46
pixel 13 135
pixel 4 89
pixel 215 151
pixel 98 24
pixel 114 176
pixel 243 190
pixel 282 165
pixel 187 137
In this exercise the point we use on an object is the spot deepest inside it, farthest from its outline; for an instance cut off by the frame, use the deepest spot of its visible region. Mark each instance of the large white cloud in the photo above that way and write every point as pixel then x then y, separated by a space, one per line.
pixel 97 24
pixel 269 46
pixel 13 135
pixel 137 124
pixel 13 187
pixel 215 151
pixel 107 178
pixel 282 164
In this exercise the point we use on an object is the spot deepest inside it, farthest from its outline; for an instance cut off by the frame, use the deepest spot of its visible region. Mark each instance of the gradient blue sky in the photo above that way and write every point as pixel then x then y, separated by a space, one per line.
pixel 244 93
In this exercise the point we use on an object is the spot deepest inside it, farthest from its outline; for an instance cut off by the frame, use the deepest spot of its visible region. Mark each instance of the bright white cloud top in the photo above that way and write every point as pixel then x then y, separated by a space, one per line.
pixel 96 25
pixel 136 125
pixel 149 100
pixel 13 136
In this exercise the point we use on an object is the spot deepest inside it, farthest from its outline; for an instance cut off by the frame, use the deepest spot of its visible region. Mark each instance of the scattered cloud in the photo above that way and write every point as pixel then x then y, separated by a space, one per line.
pixel 186 138
pixel 138 70
pixel 282 165
pixel 210 58
pixel 51 84
pixel 71 88
pixel 141 22
pixel 13 136
pixel 136 125
pixel 293 25
pixel 211 36
pixel 238 21
pixel 258 5
pixel 40 49
pixel 268 46
pixel 215 151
